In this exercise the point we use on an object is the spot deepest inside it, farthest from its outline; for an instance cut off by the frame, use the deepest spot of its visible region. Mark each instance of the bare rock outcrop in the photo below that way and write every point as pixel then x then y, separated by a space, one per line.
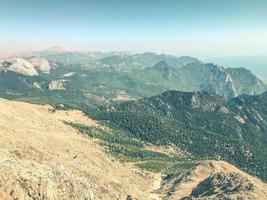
pixel 31 180
pixel 18 65
pixel 42 158
pixel 41 64
pixel 56 85
pixel 213 180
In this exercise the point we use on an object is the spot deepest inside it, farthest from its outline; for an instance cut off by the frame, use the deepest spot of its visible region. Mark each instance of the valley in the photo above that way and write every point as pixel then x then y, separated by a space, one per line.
pixel 130 126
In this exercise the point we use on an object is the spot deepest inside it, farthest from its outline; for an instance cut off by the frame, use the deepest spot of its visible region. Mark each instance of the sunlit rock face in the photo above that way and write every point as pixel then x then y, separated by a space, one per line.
pixel 20 66
pixel 41 64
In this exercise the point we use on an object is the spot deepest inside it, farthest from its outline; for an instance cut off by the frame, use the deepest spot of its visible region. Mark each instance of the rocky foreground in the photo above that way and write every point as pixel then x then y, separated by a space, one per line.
pixel 43 158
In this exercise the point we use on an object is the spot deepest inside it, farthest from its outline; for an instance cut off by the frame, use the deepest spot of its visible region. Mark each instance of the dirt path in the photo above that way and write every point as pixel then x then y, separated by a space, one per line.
pixel 156 185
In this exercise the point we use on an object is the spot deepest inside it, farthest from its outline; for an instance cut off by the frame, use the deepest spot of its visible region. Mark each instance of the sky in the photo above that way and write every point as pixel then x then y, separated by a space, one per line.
pixel 200 28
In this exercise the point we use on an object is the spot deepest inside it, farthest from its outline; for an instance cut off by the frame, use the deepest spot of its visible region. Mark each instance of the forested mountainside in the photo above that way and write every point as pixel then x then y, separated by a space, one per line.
pixel 205 125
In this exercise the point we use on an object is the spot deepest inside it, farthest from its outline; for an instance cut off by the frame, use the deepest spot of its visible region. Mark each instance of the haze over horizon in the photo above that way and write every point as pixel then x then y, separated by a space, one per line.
pixel 203 29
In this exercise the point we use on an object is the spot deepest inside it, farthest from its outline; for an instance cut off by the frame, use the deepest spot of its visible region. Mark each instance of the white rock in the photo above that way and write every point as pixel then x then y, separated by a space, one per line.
pixel 240 119
pixel 20 66
pixel 56 85
pixel 41 64
pixel 36 85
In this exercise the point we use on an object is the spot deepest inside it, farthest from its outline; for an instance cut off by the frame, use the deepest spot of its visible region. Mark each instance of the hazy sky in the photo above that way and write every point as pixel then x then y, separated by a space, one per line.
pixel 202 28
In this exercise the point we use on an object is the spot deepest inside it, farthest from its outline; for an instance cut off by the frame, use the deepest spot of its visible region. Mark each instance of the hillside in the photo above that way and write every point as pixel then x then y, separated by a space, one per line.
pixel 213 180
pixel 42 157
pixel 19 66
pixel 203 124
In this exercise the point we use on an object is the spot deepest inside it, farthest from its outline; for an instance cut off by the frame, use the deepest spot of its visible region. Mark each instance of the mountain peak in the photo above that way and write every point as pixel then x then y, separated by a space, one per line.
pixel 56 49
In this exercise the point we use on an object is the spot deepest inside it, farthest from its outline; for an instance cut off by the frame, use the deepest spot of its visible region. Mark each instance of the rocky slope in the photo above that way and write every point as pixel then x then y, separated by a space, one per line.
pixel 245 82
pixel 19 66
pixel 44 158
pixel 213 180
pixel 25 67
pixel 194 75
pixel 41 64
pixel 229 82
pixel 56 85
pixel 209 78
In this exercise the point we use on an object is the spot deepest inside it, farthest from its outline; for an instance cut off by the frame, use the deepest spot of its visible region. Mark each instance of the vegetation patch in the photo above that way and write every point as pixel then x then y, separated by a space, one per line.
pixel 128 149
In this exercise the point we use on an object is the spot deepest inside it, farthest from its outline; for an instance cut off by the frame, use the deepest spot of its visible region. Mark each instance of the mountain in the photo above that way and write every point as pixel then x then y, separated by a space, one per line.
pixel 161 73
pixel 29 67
pixel 205 125
pixel 72 57
pixel 197 76
pixel 209 78
pixel 166 70
pixel 41 64
pixel 245 82
pixel 213 180
pixel 127 62
pixel 19 66
pixel 229 82
pixel 65 155
pixel 256 64
pixel 68 57
pixel 97 78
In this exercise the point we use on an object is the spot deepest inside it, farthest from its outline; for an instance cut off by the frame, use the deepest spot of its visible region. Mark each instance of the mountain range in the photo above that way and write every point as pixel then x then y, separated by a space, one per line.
pixel 130 126
pixel 101 78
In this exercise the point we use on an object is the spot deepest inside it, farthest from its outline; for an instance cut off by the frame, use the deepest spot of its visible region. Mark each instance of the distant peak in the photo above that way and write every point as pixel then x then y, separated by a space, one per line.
pixel 56 49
